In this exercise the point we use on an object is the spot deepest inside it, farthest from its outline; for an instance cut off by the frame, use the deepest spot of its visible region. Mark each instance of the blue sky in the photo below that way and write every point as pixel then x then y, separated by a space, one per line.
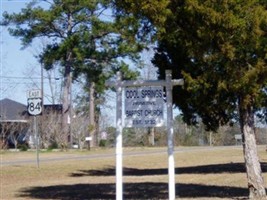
pixel 15 63
pixel 19 70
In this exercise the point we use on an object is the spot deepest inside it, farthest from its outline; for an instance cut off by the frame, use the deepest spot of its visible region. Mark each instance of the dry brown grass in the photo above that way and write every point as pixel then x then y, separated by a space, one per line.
pixel 201 173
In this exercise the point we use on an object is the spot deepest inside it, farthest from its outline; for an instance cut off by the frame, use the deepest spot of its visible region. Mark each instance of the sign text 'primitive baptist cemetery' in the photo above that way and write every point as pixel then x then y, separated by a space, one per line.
pixel 144 106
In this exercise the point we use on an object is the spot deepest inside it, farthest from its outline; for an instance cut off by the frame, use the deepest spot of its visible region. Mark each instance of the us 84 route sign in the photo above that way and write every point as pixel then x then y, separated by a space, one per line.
pixel 35 106
pixel 34 102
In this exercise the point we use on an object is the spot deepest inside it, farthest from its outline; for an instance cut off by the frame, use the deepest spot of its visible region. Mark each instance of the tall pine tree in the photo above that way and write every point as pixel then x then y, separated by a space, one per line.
pixel 85 38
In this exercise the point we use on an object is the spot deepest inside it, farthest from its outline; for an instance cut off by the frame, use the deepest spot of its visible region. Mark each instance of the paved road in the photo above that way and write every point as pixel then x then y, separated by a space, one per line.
pixel 109 155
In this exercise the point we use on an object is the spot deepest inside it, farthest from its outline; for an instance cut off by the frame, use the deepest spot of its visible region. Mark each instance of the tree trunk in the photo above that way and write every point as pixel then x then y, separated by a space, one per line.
pixel 253 168
pixel 151 136
pixel 67 91
pixel 92 128
pixel 66 104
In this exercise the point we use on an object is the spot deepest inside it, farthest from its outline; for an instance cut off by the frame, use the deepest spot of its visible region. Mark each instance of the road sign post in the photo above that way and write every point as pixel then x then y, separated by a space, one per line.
pixel 119 167
pixel 35 108
pixel 171 167
pixel 36 141
pixel 135 113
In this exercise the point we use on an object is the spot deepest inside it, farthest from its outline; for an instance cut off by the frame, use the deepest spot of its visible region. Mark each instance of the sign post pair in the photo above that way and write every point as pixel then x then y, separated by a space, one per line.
pixel 144 108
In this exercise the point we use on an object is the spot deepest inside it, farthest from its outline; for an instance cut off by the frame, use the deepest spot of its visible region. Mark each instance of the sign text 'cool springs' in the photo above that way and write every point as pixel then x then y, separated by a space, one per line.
pixel 144 107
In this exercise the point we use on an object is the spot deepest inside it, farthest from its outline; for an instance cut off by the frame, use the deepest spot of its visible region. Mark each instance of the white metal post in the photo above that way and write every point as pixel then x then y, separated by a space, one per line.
pixel 171 167
pixel 119 188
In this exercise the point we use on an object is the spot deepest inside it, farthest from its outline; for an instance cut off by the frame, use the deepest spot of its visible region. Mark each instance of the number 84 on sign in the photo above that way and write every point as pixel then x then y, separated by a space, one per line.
pixel 35 106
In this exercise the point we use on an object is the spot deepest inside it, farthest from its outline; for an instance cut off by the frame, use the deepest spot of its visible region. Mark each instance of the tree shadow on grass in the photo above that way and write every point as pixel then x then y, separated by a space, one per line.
pixel 145 190
pixel 202 169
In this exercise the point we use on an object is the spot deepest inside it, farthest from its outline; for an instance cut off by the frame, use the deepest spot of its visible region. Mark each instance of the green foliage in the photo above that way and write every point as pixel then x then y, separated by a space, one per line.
pixel 147 11
pixel 53 145
pixel 23 147
pixel 103 143
pixel 83 35
pixel 219 48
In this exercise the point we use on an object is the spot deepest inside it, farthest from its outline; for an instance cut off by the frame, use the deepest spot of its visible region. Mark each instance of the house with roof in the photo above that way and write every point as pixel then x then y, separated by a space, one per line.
pixel 14 123
pixel 12 111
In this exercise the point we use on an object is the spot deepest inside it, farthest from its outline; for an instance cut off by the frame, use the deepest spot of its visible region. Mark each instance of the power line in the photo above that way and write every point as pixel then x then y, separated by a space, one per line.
pixel 19 82
pixel 17 77
pixel 21 77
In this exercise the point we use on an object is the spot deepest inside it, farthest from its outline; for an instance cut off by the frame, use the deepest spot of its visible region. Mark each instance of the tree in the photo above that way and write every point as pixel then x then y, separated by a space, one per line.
pixel 50 129
pixel 219 48
pixel 85 39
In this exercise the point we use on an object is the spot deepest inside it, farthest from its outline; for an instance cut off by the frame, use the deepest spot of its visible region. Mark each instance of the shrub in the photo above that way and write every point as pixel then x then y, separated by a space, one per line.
pixel 103 143
pixel 52 146
pixel 23 147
